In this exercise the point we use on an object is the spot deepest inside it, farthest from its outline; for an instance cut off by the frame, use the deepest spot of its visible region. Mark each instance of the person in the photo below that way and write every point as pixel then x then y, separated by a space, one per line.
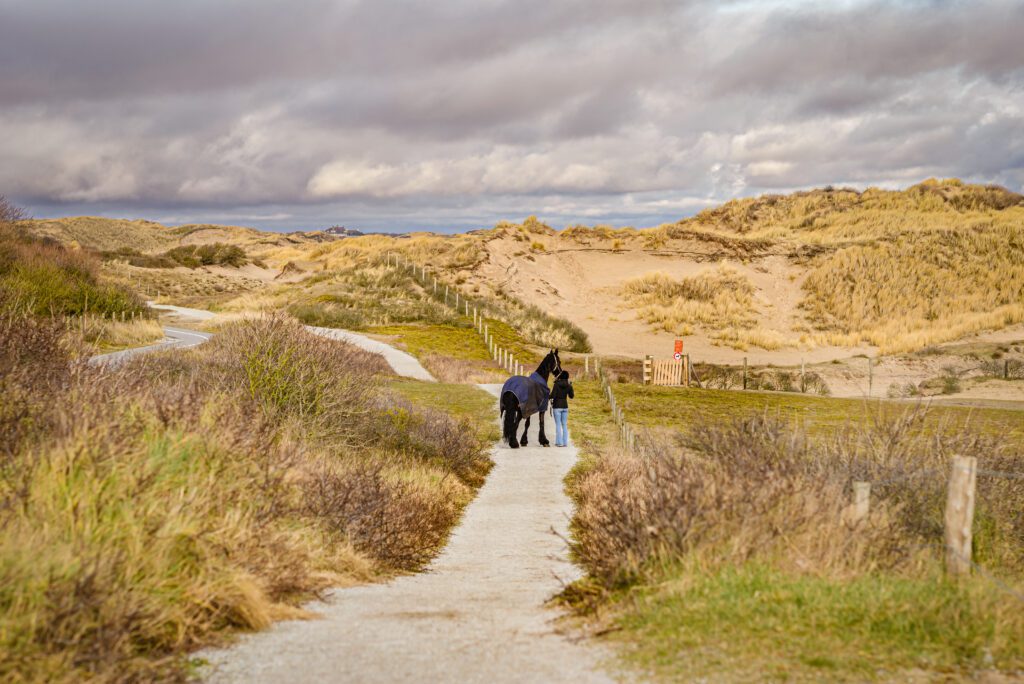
pixel 561 393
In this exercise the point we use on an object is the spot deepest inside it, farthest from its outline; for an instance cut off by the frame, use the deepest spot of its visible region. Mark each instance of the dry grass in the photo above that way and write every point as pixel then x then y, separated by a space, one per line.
pixel 453 370
pixel 188 493
pixel 720 301
pixel 741 528
pixel 759 488
pixel 951 284
pixel 105 335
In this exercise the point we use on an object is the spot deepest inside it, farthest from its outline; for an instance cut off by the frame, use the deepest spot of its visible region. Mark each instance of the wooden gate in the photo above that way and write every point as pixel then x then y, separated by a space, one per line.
pixel 666 372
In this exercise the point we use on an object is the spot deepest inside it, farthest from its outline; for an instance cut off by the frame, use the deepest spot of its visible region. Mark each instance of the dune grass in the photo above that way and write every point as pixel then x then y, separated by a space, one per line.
pixel 48 279
pixel 951 284
pixel 150 509
pixel 104 335
pixel 714 299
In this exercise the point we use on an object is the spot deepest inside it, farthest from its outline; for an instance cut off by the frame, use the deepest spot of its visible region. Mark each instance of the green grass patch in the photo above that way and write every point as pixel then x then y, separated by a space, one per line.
pixel 654 407
pixel 458 400
pixel 447 340
pixel 753 623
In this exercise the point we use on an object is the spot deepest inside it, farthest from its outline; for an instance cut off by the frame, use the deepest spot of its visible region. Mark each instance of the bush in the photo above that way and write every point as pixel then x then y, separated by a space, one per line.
pixel 216 254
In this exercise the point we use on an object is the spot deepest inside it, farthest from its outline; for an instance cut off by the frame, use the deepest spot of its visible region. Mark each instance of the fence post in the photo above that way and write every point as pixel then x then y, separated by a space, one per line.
pixel 647 369
pixel 960 514
pixel 586 366
pixel 744 372
pixel 1006 369
pixel 861 501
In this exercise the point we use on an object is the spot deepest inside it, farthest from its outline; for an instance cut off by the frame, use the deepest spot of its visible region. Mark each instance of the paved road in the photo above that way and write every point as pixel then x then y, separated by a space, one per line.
pixel 477 615
pixel 184 312
pixel 403 364
pixel 180 338
pixel 176 338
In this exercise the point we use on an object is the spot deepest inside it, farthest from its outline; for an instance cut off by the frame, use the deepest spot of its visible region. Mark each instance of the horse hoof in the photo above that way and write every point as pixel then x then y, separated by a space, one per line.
pixel 514 445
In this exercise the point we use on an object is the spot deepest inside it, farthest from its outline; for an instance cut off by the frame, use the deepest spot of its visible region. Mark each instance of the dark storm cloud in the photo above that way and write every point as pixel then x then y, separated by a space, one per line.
pixel 462 111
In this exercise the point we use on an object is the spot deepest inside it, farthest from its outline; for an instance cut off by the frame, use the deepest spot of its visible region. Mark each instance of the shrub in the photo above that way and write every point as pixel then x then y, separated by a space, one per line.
pixel 216 254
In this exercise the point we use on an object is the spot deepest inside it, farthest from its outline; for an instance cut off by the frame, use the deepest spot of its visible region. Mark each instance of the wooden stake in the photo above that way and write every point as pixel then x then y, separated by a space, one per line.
pixel 960 514
pixel 861 506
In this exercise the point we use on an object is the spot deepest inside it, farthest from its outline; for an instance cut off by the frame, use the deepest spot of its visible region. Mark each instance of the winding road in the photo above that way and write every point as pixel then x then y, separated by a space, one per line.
pixel 174 338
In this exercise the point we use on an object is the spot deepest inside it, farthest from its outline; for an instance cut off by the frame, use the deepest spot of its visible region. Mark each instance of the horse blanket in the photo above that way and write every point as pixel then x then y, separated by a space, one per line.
pixel 532 393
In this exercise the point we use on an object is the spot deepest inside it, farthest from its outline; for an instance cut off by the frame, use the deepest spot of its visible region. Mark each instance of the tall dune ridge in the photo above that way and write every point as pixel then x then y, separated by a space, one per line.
pixel 826 273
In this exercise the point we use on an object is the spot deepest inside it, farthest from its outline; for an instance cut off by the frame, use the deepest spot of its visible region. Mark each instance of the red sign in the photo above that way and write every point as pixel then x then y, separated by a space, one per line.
pixel 679 347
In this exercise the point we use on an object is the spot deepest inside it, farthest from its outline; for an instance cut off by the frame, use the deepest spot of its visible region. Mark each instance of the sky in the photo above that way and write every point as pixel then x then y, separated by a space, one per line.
pixel 451 115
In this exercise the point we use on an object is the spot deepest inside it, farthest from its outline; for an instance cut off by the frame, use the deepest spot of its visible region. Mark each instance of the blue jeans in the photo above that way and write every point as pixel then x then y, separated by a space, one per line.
pixel 561 426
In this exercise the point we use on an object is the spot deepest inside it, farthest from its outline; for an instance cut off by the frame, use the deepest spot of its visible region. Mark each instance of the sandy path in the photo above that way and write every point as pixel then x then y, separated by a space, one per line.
pixel 477 614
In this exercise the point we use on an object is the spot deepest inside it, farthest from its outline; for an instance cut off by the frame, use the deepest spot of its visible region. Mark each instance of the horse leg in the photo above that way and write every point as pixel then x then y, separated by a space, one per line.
pixel 541 437
pixel 525 430
pixel 510 424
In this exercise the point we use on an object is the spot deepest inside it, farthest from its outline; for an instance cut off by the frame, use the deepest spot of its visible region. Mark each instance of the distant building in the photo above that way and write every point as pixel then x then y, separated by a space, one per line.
pixel 342 231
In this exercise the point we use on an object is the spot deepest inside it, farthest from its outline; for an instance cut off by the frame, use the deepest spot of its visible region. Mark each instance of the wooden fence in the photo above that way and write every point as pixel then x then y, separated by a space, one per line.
pixel 667 371
pixel 463 305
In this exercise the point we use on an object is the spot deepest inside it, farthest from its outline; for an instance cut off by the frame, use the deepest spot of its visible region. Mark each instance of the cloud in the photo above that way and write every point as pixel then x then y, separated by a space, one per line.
pixel 461 112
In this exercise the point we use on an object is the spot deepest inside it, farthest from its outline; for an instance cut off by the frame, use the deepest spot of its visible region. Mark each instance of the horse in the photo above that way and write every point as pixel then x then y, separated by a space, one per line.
pixel 522 396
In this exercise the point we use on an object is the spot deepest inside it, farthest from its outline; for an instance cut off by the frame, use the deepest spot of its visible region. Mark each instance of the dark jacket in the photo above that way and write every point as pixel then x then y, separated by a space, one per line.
pixel 561 393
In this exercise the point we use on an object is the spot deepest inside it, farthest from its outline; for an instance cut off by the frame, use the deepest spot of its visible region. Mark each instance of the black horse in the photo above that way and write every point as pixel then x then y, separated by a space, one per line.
pixel 522 396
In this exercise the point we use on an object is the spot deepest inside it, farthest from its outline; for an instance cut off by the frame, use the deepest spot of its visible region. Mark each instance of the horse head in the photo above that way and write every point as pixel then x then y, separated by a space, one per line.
pixel 550 364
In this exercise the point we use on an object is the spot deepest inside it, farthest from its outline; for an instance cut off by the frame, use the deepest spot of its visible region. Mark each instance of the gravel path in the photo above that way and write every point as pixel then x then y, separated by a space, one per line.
pixel 476 615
